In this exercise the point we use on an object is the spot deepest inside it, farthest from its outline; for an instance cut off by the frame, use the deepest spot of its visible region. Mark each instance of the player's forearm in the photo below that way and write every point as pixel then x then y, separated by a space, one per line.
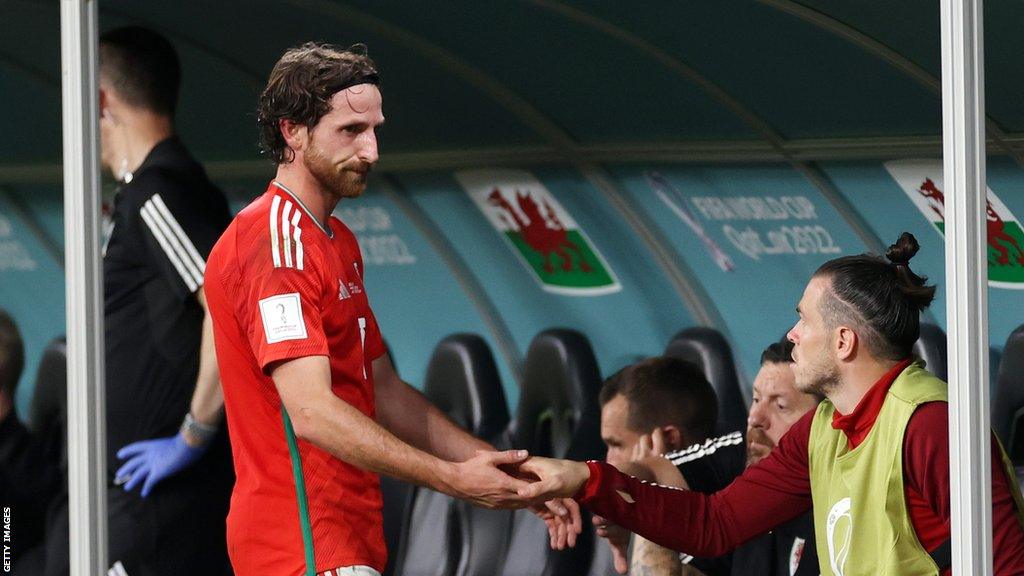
pixel 682 520
pixel 649 559
pixel 348 434
pixel 208 399
pixel 207 406
pixel 411 417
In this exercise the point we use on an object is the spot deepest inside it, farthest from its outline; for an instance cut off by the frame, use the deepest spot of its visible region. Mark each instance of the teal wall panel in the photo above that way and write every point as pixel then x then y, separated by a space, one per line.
pixel 45 204
pixel 889 211
pixel 623 326
pixel 32 291
pixel 765 230
pixel 415 297
pixel 767 257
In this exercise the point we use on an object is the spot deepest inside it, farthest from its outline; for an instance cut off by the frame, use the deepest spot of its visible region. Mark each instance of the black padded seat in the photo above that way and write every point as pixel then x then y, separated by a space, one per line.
pixel 431 538
pixel 462 380
pixel 442 536
pixel 931 347
pixel 48 406
pixel 558 415
pixel 397 497
pixel 708 349
pixel 602 563
pixel 1008 400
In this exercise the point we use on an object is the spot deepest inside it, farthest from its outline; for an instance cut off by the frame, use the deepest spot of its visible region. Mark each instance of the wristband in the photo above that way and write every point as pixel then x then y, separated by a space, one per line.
pixel 202 432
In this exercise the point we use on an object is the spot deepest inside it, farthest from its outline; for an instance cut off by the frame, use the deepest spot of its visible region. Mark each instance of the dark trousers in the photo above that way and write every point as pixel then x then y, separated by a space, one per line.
pixel 179 529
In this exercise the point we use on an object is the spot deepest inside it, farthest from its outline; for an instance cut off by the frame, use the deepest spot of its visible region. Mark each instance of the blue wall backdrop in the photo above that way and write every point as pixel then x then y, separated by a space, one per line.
pixel 750 234
pixel 31 284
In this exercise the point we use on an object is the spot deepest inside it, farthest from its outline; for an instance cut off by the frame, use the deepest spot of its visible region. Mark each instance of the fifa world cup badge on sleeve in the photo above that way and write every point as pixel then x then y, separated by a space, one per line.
pixel 282 318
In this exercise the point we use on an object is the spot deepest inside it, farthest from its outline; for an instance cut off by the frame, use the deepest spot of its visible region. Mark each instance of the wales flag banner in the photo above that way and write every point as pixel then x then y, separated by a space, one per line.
pixel 921 180
pixel 542 234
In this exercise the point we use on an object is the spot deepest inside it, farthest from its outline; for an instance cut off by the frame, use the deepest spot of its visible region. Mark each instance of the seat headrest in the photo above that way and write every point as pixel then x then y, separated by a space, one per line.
pixel 931 347
pixel 1008 404
pixel 558 413
pixel 50 397
pixel 708 349
pixel 462 380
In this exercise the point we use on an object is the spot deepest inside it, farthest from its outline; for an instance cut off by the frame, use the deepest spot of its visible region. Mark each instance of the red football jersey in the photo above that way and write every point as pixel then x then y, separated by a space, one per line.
pixel 279 286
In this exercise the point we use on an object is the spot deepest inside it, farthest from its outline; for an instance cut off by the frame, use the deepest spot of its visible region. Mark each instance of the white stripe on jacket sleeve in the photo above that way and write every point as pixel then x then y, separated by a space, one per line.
pixel 172 255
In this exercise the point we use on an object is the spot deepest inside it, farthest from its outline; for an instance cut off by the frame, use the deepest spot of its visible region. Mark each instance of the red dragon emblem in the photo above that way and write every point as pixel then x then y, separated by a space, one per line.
pixel 545 234
pixel 937 200
pixel 998 239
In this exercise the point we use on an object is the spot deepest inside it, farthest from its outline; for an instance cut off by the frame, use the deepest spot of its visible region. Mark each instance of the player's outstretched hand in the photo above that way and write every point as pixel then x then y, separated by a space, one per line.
pixel 150 461
pixel 480 481
pixel 618 541
pixel 563 519
pixel 555 479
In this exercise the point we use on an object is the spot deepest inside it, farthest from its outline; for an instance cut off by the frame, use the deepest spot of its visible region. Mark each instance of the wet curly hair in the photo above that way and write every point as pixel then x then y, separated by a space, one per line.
pixel 301 86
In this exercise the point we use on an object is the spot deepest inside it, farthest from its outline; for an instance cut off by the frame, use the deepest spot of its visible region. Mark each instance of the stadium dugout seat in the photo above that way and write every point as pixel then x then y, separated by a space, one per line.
pixel 397 496
pixel 709 350
pixel 462 380
pixel 558 415
pixel 48 407
pixel 602 563
pixel 931 347
pixel 442 536
pixel 1008 400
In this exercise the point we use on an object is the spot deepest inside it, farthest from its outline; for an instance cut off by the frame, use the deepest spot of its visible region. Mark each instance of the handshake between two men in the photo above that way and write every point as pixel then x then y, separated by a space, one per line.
pixel 512 479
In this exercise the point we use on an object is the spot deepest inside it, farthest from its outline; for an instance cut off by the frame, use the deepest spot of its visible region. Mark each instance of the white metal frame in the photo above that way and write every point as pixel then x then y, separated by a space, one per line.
pixel 963 131
pixel 87 500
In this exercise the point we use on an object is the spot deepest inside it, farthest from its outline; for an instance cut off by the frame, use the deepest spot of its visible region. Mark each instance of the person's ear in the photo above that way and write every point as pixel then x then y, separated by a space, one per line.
pixel 674 438
pixel 104 103
pixel 295 135
pixel 846 342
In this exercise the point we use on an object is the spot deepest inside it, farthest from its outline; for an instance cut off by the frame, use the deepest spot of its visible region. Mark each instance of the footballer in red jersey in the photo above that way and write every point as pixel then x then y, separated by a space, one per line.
pixel 314 408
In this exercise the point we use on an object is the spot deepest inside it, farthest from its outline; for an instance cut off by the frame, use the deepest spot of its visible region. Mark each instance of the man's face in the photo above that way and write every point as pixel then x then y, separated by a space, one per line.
pixel 615 432
pixel 109 126
pixel 777 404
pixel 814 363
pixel 342 147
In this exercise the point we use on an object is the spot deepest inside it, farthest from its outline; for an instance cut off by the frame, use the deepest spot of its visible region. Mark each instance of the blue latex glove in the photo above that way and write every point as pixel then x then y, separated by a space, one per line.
pixel 150 461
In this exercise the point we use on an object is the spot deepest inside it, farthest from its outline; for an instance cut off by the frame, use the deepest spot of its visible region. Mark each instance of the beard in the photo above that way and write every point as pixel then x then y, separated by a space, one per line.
pixel 759 445
pixel 345 181
pixel 818 377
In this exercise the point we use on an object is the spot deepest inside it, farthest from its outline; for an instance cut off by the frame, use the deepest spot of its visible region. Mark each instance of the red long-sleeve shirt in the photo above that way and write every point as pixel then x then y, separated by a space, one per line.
pixel 778 489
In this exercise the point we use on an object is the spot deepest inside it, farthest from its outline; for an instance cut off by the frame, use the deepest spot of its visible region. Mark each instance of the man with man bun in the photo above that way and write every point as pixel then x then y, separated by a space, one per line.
pixel 873 458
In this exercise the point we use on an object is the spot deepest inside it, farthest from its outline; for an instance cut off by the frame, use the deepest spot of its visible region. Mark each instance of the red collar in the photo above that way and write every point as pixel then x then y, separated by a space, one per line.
pixel 858 423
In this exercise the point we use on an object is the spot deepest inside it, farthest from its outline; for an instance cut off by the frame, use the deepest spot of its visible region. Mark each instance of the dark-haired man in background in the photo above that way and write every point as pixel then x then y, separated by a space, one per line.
pixel 873 458
pixel 710 466
pixel 30 472
pixel 657 406
pixel 777 404
pixel 159 349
